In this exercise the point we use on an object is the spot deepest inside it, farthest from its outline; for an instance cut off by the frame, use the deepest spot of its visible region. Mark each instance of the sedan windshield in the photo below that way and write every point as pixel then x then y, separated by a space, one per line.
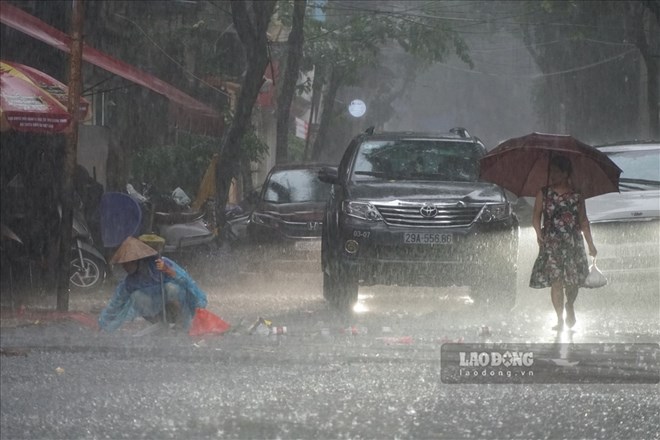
pixel 296 186
pixel 640 169
pixel 417 159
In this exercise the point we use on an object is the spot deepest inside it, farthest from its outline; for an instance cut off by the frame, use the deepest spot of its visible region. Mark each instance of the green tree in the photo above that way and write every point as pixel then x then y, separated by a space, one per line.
pixel 341 49
pixel 587 52
pixel 183 163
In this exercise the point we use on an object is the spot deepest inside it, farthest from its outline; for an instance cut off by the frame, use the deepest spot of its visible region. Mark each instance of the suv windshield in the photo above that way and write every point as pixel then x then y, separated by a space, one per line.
pixel 296 186
pixel 640 168
pixel 417 159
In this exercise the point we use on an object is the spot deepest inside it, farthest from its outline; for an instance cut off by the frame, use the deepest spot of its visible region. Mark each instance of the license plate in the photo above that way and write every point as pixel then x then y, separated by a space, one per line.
pixel 427 238
pixel 314 245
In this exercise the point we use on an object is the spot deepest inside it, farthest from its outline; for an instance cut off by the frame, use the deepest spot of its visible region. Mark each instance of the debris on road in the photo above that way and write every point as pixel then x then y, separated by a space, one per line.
pixel 265 327
pixel 448 340
pixel 354 330
pixel 401 340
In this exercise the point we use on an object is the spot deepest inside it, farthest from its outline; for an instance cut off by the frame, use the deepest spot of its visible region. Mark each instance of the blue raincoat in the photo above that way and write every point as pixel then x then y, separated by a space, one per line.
pixel 139 294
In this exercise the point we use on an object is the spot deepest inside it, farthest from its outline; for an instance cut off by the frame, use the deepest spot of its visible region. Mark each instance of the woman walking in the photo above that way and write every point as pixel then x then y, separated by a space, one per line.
pixel 560 221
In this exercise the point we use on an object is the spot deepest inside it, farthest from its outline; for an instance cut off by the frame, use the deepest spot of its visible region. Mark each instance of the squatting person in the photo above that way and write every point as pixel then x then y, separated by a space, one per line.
pixel 140 294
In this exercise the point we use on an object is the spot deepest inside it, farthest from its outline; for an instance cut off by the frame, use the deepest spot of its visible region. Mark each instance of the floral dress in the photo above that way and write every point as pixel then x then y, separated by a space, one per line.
pixel 562 255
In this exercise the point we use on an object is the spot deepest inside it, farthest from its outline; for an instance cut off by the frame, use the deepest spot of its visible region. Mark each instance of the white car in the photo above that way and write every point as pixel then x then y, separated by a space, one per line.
pixel 626 225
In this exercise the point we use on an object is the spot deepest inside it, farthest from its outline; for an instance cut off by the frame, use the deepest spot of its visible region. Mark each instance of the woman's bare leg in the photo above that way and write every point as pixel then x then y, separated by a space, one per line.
pixel 571 296
pixel 557 296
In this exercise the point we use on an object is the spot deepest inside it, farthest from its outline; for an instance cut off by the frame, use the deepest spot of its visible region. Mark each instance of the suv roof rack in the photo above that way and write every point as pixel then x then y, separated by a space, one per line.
pixel 462 132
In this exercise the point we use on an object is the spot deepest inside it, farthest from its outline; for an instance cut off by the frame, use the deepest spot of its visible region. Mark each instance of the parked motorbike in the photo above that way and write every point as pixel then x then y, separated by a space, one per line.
pixel 181 228
pixel 88 266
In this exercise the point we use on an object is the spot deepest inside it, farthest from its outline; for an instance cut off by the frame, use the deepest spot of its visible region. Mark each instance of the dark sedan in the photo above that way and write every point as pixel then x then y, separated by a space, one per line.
pixel 286 224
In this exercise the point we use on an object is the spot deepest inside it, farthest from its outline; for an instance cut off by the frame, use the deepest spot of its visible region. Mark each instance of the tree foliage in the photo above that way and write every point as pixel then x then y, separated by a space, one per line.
pixel 182 164
pixel 589 53
pixel 342 48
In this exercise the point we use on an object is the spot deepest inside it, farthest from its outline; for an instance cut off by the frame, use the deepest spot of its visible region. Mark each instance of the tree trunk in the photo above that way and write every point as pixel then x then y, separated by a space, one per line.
pixel 293 59
pixel 70 159
pixel 644 44
pixel 652 74
pixel 327 113
pixel 246 174
pixel 251 25
pixel 317 87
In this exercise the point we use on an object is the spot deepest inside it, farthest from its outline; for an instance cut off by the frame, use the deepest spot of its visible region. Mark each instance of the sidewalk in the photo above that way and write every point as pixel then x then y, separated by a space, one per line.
pixel 24 317
pixel 31 307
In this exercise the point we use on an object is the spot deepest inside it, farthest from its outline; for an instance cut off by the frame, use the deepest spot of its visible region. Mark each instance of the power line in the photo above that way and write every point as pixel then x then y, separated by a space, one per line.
pixel 541 75
pixel 183 69
pixel 474 21
pixel 548 43
pixel 588 66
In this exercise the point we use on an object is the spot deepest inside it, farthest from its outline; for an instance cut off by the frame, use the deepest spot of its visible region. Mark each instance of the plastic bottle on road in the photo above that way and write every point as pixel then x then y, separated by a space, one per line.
pixel 278 330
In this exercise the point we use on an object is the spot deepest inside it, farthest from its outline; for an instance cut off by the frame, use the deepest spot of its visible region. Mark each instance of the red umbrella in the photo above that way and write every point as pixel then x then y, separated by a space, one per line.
pixel 521 165
pixel 32 101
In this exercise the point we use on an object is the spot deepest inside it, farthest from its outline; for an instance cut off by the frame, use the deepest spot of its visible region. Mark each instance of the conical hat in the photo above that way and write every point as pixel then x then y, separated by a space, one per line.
pixel 132 249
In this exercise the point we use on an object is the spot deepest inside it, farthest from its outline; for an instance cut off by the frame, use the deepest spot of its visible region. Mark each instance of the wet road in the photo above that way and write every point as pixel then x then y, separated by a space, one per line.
pixel 374 373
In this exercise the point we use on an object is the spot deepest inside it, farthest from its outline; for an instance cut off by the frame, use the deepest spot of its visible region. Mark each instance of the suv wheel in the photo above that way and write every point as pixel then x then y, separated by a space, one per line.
pixel 340 284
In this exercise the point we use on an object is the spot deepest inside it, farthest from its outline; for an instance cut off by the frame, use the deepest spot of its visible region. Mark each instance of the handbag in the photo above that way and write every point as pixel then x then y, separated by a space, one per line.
pixel 595 278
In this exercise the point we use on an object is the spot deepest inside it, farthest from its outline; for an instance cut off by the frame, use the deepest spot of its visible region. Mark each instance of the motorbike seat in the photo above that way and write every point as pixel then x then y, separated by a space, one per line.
pixel 171 218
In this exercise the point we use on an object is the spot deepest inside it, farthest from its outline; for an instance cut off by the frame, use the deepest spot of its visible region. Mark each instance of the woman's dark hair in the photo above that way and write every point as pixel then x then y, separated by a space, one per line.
pixel 562 163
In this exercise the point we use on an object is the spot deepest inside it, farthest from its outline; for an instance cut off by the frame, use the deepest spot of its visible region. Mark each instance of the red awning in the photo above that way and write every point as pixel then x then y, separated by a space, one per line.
pixel 32 26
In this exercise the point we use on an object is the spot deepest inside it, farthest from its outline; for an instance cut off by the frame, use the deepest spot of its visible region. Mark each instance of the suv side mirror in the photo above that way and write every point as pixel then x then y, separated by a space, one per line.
pixel 329 175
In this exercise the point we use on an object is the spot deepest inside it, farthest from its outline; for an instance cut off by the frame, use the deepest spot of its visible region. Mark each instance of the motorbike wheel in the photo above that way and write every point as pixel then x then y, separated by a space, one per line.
pixel 89 275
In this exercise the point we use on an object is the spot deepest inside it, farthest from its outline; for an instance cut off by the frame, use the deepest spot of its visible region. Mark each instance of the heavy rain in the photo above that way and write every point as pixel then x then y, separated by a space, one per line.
pixel 329 219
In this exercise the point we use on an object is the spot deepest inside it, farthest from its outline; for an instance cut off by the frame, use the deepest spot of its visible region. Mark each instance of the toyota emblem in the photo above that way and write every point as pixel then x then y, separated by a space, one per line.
pixel 428 211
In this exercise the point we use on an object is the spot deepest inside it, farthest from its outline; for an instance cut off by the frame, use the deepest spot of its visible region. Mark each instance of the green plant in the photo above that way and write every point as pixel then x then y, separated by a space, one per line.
pixel 296 149
pixel 184 163
pixel 179 165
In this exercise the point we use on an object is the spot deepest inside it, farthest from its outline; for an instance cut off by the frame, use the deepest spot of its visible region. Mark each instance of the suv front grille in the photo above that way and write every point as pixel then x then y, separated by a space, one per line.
pixel 410 215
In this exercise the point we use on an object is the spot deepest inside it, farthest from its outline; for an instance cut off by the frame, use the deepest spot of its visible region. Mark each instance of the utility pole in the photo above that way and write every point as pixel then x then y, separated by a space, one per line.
pixel 70 154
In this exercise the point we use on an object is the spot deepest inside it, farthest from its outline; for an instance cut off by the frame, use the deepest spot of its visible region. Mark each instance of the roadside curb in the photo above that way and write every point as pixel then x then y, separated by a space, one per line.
pixel 26 317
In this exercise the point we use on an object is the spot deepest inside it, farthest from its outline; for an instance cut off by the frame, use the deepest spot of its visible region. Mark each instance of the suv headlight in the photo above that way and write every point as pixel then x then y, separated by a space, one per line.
pixel 361 210
pixel 495 212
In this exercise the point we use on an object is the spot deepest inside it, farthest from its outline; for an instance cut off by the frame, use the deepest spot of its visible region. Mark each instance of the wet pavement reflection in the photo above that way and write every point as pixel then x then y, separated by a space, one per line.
pixel 370 373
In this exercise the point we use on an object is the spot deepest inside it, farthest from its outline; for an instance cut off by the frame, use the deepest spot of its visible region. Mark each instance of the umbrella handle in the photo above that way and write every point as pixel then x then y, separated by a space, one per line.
pixel 547 176
pixel 162 293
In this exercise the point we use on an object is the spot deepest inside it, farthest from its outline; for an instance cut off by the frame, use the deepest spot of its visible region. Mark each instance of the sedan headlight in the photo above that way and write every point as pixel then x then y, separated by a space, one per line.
pixel 495 212
pixel 361 210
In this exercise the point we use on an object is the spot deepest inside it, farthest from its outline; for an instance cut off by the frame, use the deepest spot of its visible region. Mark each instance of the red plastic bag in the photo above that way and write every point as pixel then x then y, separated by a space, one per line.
pixel 205 322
